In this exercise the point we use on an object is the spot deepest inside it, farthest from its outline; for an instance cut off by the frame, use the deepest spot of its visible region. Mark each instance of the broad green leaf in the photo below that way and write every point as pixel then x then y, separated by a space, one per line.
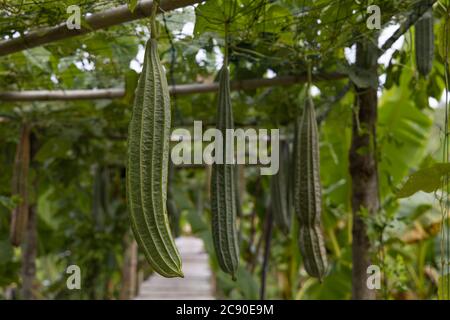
pixel 403 132
pixel 38 57
pixel 444 287
pixel 427 180
pixel 131 80
pixel 247 283
pixel 210 17
pixel 132 4
pixel 362 78
pixel 334 154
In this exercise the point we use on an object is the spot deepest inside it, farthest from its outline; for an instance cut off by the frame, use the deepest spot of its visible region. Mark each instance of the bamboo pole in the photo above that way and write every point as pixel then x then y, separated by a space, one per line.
pixel 97 21
pixel 182 89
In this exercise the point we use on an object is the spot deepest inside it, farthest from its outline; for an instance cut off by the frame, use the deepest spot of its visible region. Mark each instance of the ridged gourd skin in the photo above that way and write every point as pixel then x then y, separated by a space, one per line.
pixel 19 218
pixel 223 193
pixel 308 193
pixel 424 40
pixel 147 168
pixel 238 192
pixel 172 209
pixel 279 187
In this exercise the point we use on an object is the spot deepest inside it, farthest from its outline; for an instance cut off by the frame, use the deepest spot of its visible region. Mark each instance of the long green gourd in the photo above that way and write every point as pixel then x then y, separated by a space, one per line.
pixel 19 218
pixel 148 158
pixel 223 194
pixel 279 187
pixel 424 41
pixel 308 193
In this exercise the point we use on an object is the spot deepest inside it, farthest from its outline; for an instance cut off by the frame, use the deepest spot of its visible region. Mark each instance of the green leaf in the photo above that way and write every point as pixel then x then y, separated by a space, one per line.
pixel 131 80
pixel 132 5
pixel 444 40
pixel 427 180
pixel 6 252
pixel 403 132
pixel 247 284
pixel 334 153
pixel 54 148
pixel 38 57
pixel 7 202
pixel 210 17
pixel 443 287
pixel 362 78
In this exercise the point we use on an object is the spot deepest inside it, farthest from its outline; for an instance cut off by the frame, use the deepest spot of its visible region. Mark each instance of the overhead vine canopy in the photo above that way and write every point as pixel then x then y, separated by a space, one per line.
pixel 284 35
pixel 264 35
pixel 266 39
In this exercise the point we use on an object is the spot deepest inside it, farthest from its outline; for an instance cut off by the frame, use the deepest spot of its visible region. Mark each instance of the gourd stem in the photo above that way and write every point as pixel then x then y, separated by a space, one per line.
pixel 309 78
pixel 153 30
pixel 227 44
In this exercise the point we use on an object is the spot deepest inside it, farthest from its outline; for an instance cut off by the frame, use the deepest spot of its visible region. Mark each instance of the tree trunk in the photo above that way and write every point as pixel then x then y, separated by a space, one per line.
pixel 265 267
pixel 129 271
pixel 29 256
pixel 363 170
pixel 29 245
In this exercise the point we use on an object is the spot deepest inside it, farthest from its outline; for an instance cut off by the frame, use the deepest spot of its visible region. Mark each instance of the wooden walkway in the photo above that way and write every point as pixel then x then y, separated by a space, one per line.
pixel 197 283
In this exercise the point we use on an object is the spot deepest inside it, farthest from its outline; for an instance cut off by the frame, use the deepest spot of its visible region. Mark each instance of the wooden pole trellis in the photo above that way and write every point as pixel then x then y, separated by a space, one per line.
pixel 97 21
pixel 122 14
pixel 182 89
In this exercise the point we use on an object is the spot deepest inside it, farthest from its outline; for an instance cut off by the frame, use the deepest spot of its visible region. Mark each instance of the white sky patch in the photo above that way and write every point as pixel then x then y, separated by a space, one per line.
pixel 314 91
pixel 381 81
pixel 135 66
pixel 200 57
pixel 188 29
pixel 443 98
pixel 350 54
pixel 137 62
pixel 385 35
pixel 270 74
pixel 85 65
pixel 218 57
pixel 88 65
pixel 53 78
pixel 433 103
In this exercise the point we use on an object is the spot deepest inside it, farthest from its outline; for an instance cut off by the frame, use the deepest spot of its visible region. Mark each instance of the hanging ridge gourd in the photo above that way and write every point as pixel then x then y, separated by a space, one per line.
pixel 19 218
pixel 424 41
pixel 223 194
pixel 148 159
pixel 308 192
pixel 279 189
